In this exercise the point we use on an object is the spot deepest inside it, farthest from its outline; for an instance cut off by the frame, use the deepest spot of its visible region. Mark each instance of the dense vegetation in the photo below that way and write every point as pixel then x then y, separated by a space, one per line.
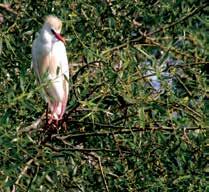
pixel 138 111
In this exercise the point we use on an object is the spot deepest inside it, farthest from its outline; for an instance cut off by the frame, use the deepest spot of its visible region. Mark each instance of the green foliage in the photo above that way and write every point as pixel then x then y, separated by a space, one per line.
pixel 138 111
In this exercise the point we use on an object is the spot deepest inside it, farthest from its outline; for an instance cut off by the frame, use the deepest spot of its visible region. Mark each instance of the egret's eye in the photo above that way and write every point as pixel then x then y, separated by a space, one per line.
pixel 52 30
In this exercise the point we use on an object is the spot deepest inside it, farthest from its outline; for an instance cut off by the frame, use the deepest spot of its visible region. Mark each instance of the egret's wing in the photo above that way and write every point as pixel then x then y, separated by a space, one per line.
pixel 58 70
pixel 61 82
pixel 42 66
pixel 40 59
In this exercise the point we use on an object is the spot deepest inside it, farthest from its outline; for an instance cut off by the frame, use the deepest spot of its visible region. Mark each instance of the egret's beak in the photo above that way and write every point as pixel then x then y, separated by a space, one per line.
pixel 58 36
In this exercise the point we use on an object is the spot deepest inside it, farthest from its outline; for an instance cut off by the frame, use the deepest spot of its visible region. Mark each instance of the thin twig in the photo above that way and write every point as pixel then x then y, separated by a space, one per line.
pixel 184 65
pixel 192 64
pixel 59 149
pixel 103 176
pixel 184 86
pixel 24 170
pixel 101 169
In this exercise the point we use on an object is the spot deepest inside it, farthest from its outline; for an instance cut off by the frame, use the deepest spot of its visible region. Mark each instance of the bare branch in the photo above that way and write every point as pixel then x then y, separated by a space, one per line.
pixel 124 130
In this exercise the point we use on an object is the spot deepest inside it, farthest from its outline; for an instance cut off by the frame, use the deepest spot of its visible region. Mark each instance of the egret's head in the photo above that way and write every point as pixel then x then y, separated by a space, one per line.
pixel 53 26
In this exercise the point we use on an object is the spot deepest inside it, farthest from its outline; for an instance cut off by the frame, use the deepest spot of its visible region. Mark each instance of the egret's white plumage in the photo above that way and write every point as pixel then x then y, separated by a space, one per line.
pixel 49 61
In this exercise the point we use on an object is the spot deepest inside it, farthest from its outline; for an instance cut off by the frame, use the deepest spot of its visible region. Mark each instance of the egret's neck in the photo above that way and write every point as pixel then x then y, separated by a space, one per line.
pixel 46 36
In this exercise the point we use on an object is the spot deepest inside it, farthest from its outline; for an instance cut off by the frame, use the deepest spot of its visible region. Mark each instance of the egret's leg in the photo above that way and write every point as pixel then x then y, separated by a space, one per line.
pixel 55 105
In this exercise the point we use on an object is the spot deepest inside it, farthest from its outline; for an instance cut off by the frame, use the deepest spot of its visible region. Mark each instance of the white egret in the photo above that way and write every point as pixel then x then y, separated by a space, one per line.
pixel 49 61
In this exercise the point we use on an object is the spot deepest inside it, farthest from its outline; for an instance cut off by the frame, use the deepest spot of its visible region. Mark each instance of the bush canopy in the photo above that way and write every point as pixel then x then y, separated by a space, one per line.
pixel 138 111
